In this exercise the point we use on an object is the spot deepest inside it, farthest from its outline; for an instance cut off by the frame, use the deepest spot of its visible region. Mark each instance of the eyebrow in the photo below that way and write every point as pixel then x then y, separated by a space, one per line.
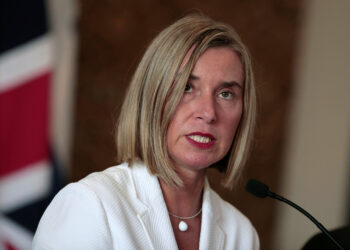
pixel 224 84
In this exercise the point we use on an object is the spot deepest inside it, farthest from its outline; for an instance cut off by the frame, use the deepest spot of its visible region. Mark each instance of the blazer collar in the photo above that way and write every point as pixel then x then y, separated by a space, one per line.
pixel 153 214
pixel 212 236
pixel 154 217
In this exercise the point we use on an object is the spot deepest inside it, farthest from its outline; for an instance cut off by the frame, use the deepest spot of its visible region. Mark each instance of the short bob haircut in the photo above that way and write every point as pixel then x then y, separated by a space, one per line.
pixel 141 130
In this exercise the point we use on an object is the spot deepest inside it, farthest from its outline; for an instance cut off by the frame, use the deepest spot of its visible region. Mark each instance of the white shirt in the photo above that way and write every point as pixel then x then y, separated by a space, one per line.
pixel 123 208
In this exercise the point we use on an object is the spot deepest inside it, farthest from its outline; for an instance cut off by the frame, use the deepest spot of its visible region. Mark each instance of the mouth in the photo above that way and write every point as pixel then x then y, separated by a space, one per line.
pixel 201 140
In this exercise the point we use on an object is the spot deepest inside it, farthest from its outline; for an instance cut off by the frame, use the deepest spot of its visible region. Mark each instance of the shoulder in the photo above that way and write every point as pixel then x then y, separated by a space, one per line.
pixel 77 217
pixel 108 182
pixel 229 212
pixel 74 219
pixel 235 223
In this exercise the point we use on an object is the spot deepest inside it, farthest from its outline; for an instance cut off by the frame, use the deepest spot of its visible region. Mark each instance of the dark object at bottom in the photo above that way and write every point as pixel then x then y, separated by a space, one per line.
pixel 321 242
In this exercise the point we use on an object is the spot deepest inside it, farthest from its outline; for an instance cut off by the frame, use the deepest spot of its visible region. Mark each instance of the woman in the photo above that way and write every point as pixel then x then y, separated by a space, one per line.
pixel 190 106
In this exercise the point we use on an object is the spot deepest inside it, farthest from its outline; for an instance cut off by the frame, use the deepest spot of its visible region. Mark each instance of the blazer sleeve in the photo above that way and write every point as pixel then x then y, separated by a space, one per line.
pixel 75 219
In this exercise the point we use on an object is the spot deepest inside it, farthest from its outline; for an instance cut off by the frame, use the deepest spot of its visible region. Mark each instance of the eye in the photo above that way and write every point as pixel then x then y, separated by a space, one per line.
pixel 226 95
pixel 188 88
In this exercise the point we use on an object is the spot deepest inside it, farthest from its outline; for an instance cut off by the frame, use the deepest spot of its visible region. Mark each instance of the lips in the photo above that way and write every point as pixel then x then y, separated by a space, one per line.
pixel 201 140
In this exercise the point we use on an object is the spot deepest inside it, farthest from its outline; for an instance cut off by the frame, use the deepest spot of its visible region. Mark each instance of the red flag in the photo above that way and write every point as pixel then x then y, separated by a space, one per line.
pixel 26 167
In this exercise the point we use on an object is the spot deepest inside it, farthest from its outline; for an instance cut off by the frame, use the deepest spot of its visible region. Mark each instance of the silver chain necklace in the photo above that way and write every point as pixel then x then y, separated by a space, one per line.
pixel 183 225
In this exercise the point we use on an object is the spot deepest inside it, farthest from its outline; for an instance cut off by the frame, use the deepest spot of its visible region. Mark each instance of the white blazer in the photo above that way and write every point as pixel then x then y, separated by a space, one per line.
pixel 123 208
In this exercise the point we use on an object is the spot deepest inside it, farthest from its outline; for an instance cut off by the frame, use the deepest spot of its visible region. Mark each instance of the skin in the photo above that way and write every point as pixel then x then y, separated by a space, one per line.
pixel 211 105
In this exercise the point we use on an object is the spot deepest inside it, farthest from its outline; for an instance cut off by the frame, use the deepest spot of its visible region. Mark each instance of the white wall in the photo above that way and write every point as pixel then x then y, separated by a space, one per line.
pixel 317 158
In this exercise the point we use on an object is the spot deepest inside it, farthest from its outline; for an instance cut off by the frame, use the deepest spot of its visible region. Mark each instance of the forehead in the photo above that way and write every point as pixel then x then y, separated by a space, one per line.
pixel 224 49
pixel 221 63
pixel 222 55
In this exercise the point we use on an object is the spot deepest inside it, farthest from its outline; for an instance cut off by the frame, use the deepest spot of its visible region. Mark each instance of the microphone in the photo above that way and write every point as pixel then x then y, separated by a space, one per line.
pixel 261 190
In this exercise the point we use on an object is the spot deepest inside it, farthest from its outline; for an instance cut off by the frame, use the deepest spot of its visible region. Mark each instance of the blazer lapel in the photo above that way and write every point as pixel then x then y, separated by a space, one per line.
pixel 212 236
pixel 153 215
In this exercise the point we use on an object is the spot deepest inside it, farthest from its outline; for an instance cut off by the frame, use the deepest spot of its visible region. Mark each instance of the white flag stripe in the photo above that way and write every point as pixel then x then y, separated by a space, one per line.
pixel 25 62
pixel 25 186
pixel 19 237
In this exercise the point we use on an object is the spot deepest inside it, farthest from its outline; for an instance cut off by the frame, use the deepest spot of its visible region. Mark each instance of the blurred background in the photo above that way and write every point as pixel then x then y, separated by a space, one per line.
pixel 65 66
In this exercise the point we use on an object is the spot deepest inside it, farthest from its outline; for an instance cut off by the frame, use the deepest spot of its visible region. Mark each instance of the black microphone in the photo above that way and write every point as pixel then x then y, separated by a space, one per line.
pixel 261 190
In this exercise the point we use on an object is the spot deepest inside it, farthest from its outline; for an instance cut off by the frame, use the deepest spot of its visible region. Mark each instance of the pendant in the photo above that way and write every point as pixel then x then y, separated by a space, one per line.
pixel 183 226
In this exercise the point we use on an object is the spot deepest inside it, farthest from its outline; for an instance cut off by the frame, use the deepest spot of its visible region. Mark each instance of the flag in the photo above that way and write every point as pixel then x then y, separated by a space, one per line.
pixel 29 174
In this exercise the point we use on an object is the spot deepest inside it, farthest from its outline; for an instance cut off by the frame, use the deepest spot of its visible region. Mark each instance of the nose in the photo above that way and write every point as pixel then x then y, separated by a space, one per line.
pixel 205 108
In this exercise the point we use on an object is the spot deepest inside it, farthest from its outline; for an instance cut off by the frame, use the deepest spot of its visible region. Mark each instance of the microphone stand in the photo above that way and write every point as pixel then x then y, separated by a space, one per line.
pixel 303 211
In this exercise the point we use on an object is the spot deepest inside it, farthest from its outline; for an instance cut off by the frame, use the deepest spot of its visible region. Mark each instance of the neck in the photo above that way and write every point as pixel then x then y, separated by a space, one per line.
pixel 186 200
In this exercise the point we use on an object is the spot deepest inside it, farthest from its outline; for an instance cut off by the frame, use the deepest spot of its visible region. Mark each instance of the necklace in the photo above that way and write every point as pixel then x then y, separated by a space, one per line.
pixel 183 225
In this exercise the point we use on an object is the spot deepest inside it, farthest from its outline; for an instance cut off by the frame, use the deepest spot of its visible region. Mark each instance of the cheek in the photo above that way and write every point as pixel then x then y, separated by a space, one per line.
pixel 172 137
pixel 170 133
pixel 178 119
pixel 231 125
pixel 174 128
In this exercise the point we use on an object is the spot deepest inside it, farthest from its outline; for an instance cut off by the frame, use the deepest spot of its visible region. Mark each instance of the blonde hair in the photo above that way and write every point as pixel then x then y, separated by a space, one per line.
pixel 143 122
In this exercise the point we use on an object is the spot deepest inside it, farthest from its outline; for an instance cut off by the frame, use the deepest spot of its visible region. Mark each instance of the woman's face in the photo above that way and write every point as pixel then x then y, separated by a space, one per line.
pixel 205 122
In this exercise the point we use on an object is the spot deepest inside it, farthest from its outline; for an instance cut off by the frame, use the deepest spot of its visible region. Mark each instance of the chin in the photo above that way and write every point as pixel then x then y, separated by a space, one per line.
pixel 198 164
